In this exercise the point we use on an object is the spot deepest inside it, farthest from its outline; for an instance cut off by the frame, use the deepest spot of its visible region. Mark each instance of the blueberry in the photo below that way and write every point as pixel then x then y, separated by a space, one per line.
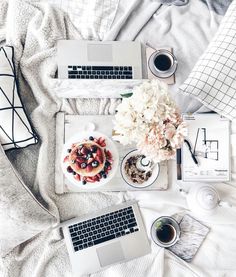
pixel 91 138
pixel 107 163
pixel 83 165
pixel 104 176
pixel 74 173
pixel 73 161
pixel 89 155
pixel 69 150
pixel 95 164
pixel 69 169
pixel 94 149
pixel 84 182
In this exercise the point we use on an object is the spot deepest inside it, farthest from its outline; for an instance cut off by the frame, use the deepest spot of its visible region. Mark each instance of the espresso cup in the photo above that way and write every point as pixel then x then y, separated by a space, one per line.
pixel 162 63
pixel 165 231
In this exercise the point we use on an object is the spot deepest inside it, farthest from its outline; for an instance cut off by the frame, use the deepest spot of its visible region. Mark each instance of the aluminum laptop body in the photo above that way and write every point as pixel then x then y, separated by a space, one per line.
pixel 120 248
pixel 80 59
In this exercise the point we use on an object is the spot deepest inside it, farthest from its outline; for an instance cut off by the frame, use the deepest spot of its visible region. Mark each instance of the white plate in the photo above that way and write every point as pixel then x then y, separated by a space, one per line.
pixel 149 182
pixel 80 137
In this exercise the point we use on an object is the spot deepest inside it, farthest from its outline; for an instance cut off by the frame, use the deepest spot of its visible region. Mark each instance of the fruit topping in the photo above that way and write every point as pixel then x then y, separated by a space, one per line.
pixel 69 169
pixel 77 177
pixel 91 138
pixel 66 159
pixel 94 149
pixel 89 168
pixel 89 156
pixel 84 182
pixel 84 150
pixel 80 160
pixel 69 150
pixel 83 165
pixel 95 163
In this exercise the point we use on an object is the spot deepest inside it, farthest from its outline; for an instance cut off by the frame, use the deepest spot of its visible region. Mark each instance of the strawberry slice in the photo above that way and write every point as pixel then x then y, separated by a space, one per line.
pixel 66 159
pixel 99 159
pixel 89 168
pixel 84 150
pixel 77 177
pixel 80 160
pixel 90 179
pixel 108 155
pixel 90 160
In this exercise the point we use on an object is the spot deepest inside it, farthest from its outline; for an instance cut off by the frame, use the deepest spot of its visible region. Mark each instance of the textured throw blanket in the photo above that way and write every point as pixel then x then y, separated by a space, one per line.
pixel 33 29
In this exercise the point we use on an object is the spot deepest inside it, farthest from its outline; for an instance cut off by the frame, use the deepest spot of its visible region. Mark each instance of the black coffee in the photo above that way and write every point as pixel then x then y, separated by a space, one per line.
pixel 166 233
pixel 162 62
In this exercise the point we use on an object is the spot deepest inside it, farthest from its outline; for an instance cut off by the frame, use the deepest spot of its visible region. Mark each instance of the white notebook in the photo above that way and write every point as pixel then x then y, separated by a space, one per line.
pixel 207 142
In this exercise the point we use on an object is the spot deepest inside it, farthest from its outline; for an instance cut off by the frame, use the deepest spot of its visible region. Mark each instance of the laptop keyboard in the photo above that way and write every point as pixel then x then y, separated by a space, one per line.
pixel 99 72
pixel 103 228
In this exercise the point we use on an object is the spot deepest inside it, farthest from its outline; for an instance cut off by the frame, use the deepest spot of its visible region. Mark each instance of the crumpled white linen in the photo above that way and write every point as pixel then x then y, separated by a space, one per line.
pixel 33 28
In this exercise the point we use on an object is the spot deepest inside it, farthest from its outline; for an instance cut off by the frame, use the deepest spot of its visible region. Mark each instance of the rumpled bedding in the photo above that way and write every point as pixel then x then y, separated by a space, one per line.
pixel 33 28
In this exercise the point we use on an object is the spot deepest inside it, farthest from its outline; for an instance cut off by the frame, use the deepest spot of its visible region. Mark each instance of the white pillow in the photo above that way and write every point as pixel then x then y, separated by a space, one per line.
pixel 213 79
pixel 15 128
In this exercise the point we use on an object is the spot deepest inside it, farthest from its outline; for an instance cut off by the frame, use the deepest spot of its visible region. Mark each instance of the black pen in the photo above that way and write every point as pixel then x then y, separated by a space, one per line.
pixel 178 162
pixel 190 150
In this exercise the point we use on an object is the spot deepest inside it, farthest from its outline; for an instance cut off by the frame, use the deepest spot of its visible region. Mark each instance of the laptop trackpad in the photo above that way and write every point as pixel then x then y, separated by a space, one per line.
pixel 110 254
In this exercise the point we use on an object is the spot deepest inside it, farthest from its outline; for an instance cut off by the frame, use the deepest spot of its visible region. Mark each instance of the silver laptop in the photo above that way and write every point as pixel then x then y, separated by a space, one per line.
pixel 112 235
pixel 79 59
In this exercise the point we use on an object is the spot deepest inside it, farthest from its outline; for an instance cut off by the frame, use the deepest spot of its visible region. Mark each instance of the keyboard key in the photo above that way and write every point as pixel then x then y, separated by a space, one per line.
pixel 129 68
pixel 98 241
pixel 73 72
pixel 102 67
pixel 90 243
pixel 72 77
pixel 76 248
pixel 132 225
pixel 78 242
pixel 73 235
pixel 74 67
pixel 125 67
pixel 96 77
pixel 118 235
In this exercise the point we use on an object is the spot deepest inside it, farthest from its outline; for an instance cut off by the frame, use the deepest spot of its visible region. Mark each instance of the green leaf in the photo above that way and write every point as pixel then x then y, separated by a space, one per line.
pixel 158 225
pixel 127 95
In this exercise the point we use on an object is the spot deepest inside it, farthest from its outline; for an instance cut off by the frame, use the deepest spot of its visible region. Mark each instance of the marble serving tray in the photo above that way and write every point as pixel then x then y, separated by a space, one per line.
pixel 67 126
pixel 71 88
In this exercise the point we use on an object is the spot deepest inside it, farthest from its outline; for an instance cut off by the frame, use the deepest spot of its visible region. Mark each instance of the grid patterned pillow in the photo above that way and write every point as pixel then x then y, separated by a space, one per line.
pixel 213 78
pixel 15 128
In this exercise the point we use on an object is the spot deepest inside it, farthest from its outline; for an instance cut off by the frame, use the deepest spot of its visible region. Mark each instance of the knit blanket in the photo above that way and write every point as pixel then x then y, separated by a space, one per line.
pixel 33 28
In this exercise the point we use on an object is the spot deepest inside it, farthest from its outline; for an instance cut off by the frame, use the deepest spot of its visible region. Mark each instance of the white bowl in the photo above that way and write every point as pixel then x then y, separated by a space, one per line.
pixel 149 182
pixel 80 137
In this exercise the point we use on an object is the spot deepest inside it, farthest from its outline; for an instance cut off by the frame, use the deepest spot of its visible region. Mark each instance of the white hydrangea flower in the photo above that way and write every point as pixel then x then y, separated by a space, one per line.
pixel 150 119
